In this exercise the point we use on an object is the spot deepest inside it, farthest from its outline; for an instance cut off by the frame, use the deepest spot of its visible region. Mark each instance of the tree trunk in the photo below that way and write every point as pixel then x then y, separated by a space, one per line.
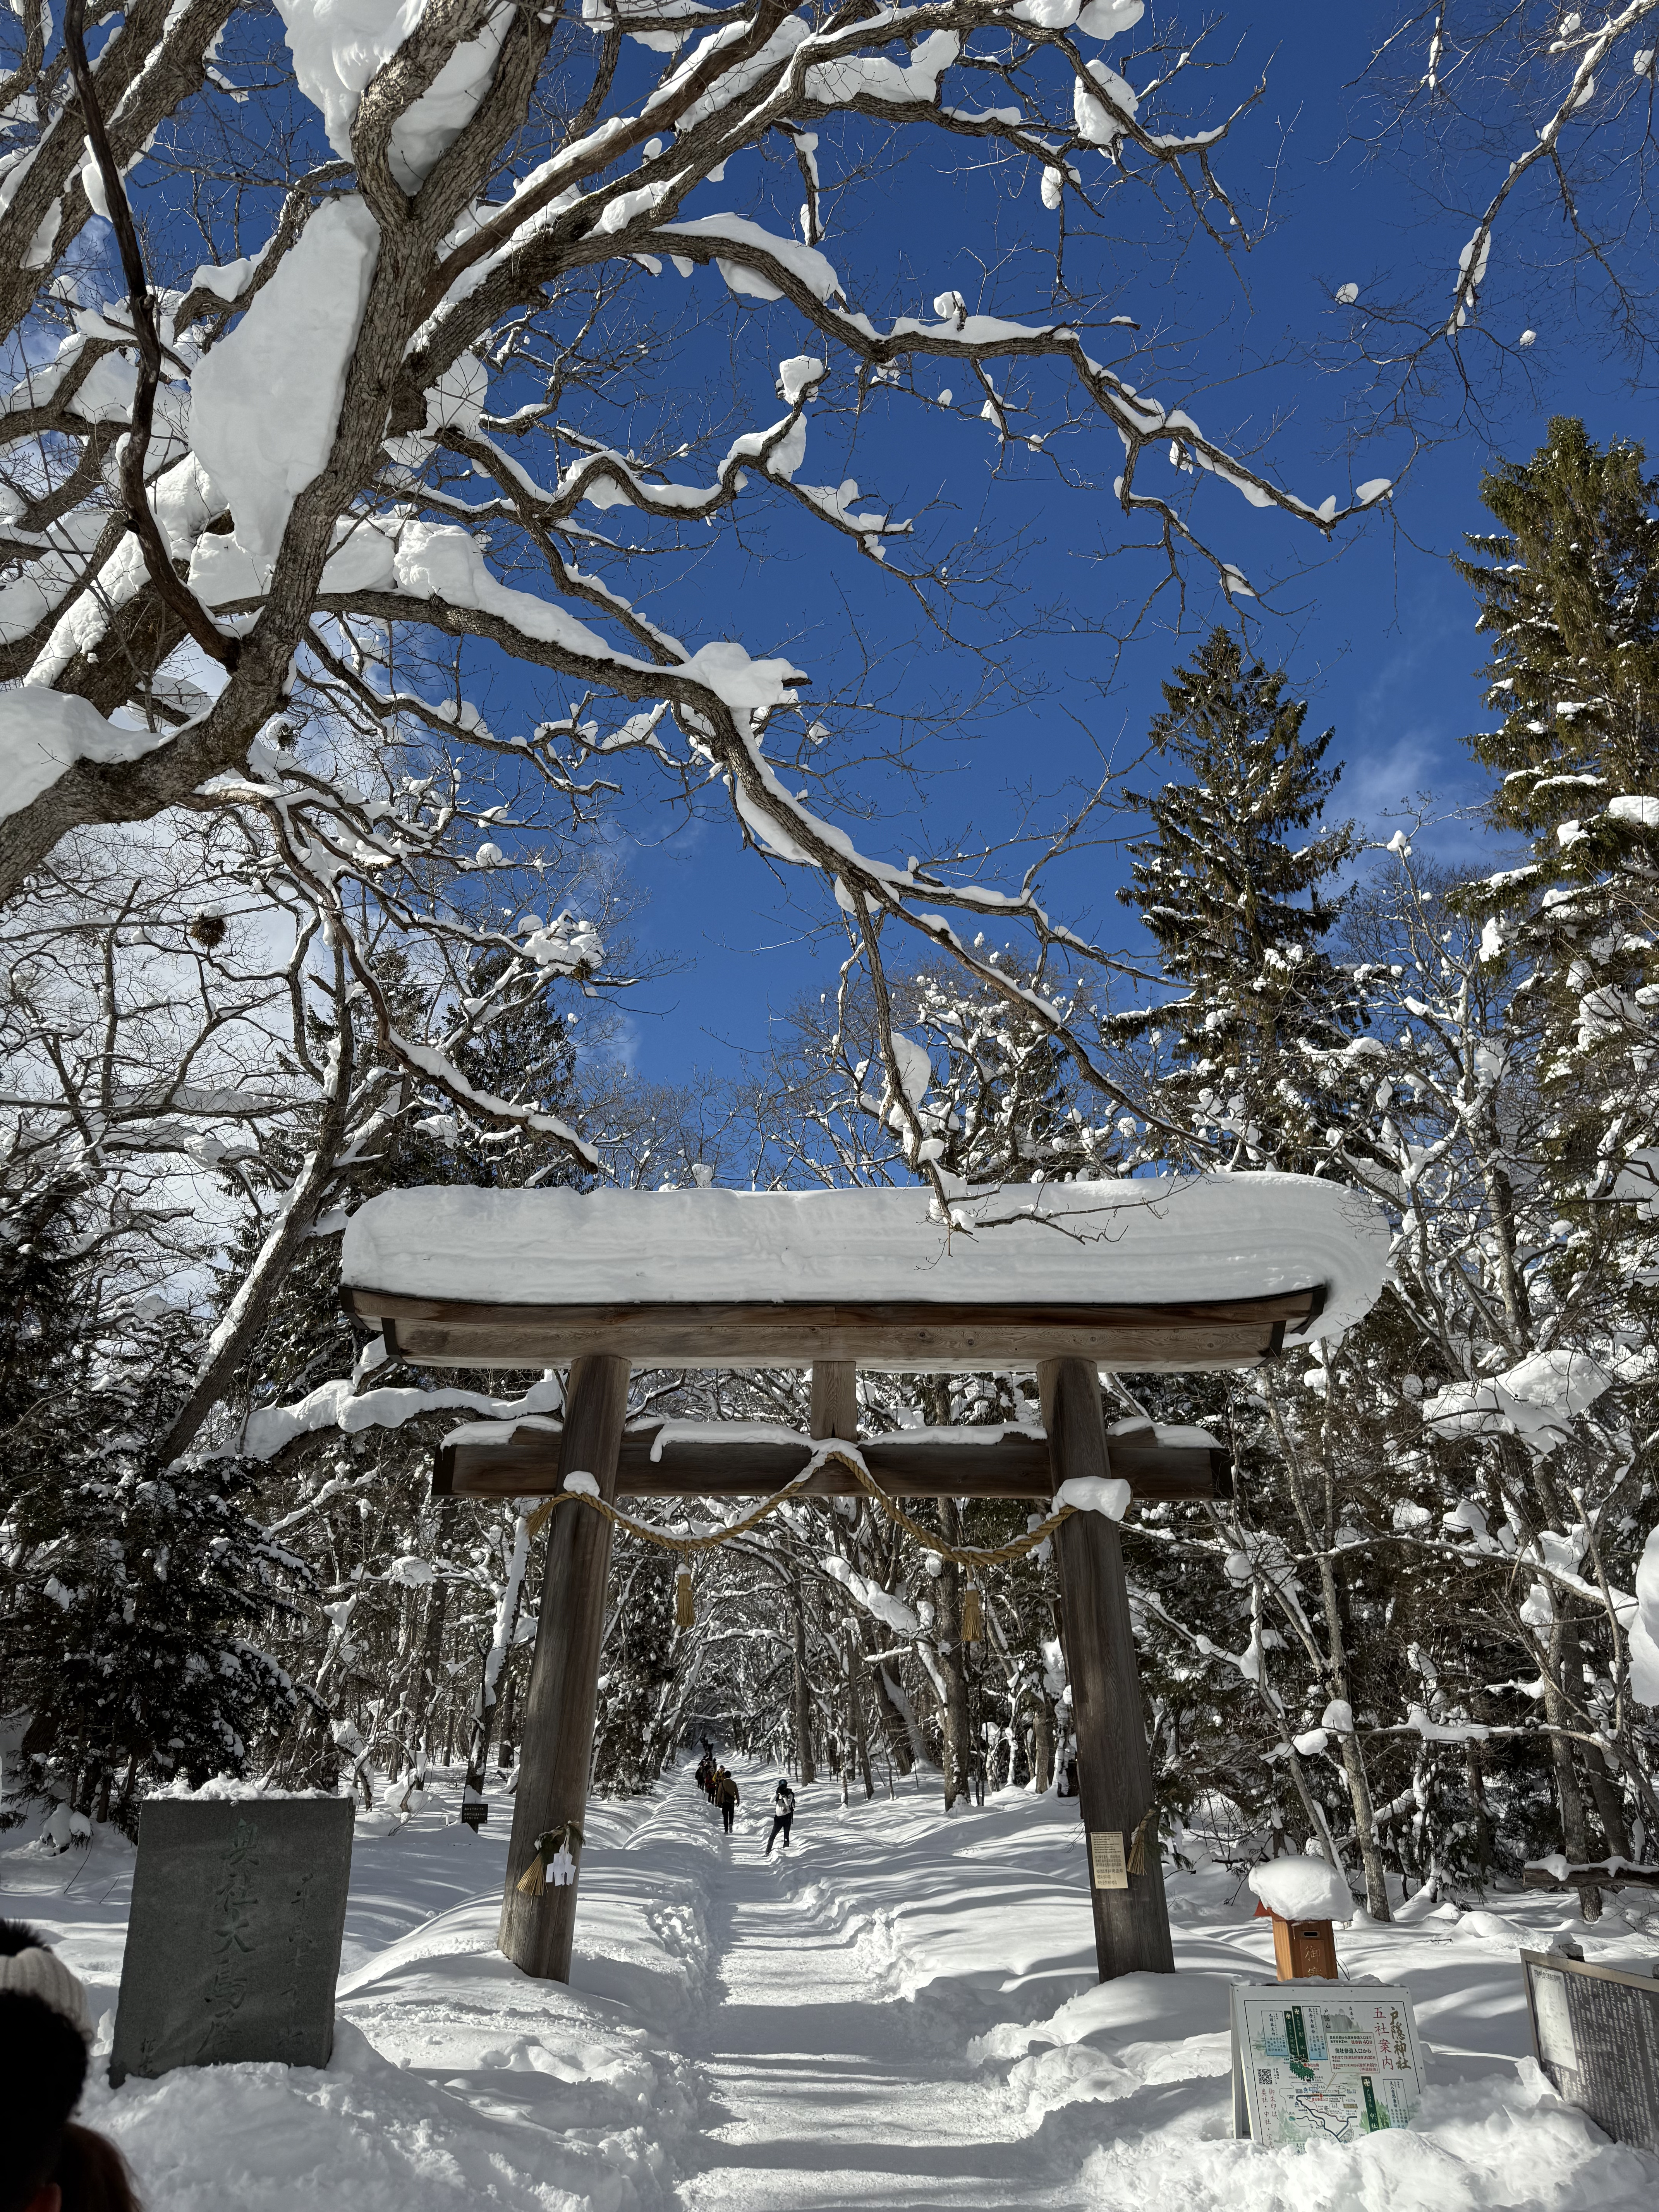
pixel 1042 1745
pixel 803 1682
pixel 507 1734
pixel 1353 1767
pixel 855 1663
pixel 485 1710
pixel 1574 1832
pixel 895 1734
pixel 1609 1805
pixel 1598 1774
pixel 1474 1791
pixel 947 1635
pixel 537 1932
pixel 1320 1530
pixel 430 1673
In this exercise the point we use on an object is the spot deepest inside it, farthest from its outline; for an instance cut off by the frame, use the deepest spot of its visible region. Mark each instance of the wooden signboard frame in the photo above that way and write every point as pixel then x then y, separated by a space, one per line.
pixel 1598 2050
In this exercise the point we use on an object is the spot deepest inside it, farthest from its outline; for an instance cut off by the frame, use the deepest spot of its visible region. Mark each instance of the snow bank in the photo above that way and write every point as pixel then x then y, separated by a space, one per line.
pixel 375 2133
pixel 1302 1889
pixel 902 2009
pixel 43 733
pixel 455 2079
pixel 1153 1239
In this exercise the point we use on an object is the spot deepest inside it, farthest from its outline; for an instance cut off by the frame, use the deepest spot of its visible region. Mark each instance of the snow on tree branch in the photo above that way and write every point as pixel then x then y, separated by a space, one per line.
pixel 481 201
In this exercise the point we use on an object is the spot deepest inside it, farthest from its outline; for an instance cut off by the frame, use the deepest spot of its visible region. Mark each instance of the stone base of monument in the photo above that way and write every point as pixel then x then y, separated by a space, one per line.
pixel 233 1943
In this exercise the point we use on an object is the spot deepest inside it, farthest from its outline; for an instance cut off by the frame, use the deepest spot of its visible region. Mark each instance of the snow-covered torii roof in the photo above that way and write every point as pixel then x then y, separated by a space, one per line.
pixel 1179 1272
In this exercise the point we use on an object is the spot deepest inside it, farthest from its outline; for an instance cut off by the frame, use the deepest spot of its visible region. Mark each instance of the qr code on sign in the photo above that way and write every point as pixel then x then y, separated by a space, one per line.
pixel 1264 2074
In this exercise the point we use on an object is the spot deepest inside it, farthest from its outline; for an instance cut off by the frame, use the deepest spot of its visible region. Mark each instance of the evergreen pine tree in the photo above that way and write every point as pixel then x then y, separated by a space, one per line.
pixel 138 1603
pixel 1238 905
pixel 1569 594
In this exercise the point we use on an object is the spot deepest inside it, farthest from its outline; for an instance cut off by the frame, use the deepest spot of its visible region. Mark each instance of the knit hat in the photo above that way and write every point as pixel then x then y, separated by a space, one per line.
pixel 41 1974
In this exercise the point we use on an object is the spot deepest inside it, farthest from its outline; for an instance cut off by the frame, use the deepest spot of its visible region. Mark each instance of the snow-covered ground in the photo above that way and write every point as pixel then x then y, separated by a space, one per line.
pixel 900 2014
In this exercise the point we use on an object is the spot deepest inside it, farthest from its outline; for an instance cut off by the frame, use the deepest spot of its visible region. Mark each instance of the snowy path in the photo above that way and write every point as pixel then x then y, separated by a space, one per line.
pixel 828 2096
pixel 903 2017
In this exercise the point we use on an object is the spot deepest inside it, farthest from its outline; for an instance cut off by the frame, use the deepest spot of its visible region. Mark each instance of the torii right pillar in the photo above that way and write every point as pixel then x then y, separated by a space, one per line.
pixel 1115 1775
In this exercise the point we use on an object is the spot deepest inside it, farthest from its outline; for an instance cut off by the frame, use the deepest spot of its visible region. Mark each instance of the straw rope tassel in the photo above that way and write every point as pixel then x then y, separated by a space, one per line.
pixel 1136 1862
pixel 534 1880
pixel 970 1621
pixel 685 1610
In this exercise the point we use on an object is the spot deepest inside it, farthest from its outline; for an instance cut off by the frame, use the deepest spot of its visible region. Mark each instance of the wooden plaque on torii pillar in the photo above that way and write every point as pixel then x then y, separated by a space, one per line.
pixel 1081 1305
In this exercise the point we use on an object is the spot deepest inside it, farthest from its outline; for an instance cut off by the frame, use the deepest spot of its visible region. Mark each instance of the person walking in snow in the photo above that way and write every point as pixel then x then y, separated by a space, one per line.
pixel 725 1796
pixel 783 1812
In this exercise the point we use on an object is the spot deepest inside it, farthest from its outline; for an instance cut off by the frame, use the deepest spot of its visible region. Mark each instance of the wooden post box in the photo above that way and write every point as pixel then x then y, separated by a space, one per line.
pixel 1304 1950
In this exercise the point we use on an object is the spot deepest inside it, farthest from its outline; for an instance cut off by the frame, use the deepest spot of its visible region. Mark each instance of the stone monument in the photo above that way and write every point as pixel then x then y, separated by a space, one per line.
pixel 234 1943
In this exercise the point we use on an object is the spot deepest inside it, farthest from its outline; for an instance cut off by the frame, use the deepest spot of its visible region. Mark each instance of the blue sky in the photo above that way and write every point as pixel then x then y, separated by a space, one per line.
pixel 1377 634
pixel 1056 680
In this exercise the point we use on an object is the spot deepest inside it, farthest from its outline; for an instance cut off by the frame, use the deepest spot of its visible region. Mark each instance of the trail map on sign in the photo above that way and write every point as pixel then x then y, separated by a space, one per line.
pixel 1324 2060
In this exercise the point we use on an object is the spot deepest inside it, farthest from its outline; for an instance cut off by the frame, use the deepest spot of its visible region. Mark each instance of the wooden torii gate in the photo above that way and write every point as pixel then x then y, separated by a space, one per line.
pixel 778 1279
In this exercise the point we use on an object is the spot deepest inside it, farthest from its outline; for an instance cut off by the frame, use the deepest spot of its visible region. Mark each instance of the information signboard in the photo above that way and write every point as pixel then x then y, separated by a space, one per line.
pixel 1323 2061
pixel 1108 1867
pixel 1595 2032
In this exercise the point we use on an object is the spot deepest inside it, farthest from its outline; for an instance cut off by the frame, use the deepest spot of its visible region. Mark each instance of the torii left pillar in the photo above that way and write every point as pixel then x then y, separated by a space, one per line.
pixel 1114 1773
pixel 555 1751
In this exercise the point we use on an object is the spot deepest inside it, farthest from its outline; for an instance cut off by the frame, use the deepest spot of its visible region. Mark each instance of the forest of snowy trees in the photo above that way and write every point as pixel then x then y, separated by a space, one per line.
pixel 290 918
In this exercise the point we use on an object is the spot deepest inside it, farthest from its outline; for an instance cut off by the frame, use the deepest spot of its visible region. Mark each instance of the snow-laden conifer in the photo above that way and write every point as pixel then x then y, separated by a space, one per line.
pixel 1238 897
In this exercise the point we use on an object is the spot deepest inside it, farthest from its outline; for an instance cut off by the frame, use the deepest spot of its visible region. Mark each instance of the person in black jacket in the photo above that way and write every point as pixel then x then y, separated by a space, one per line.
pixel 783 1812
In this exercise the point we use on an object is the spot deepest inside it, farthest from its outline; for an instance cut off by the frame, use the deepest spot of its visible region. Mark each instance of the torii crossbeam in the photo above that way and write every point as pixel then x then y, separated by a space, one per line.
pixel 1143 1273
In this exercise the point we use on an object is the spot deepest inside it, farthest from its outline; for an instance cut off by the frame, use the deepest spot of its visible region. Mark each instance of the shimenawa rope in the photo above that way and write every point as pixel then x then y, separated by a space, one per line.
pixel 851 1459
